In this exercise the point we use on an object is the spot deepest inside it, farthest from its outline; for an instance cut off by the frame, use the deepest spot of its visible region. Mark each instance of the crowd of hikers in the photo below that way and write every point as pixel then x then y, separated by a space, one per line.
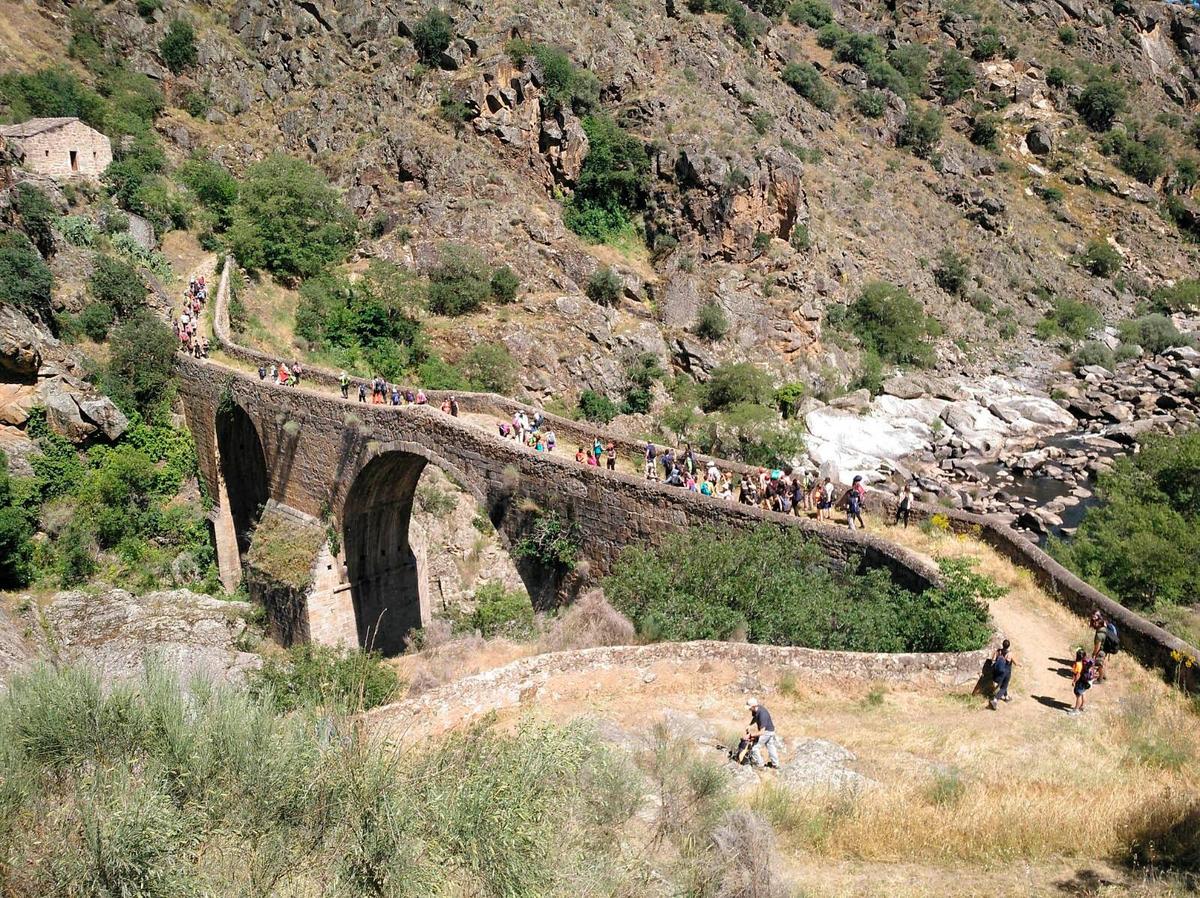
pixel 187 322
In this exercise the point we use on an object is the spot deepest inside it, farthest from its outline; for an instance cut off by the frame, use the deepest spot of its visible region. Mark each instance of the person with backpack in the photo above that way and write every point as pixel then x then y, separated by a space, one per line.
pixel 1002 665
pixel 1082 673
pixel 262 372
pixel 651 455
pixel 344 383
pixel 760 720
pixel 904 506
pixel 610 453
pixel 1107 641
pixel 362 391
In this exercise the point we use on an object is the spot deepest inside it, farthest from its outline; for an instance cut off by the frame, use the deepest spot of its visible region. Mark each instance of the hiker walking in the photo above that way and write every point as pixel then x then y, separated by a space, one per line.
pixel 344 383
pixel 904 506
pixel 610 452
pixel 1002 665
pixel 760 720
pixel 852 501
pixel 1082 673
pixel 1107 642
pixel 362 391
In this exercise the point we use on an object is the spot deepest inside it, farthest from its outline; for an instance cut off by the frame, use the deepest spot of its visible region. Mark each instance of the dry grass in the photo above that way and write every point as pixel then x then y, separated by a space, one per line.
pixel 589 622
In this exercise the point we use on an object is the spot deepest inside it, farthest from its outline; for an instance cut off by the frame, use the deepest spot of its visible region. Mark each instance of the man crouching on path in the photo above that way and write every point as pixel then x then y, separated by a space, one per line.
pixel 760 718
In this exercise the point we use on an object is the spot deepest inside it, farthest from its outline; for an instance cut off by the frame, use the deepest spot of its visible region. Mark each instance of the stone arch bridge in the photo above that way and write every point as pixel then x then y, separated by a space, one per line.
pixel 354 467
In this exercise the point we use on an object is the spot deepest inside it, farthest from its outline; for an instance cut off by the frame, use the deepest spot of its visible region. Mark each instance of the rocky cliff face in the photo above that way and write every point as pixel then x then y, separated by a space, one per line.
pixel 739 161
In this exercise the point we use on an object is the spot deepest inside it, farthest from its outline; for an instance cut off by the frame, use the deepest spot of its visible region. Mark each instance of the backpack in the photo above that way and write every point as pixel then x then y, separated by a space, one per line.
pixel 1000 667
pixel 1087 672
pixel 741 754
pixel 1112 639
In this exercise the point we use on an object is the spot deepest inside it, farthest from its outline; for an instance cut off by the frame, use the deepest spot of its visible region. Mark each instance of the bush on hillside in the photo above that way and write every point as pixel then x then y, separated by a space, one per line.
pixel 611 186
pixel 892 324
pixel 51 93
pixel 288 220
pixel 709 584
pixel 432 35
pixel 952 273
pixel 804 79
pixel 1057 76
pixel 956 75
pixel 911 61
pixel 1141 542
pixel 490 367
pixel 921 132
pixel 1154 333
pixel 563 84
pixel 984 131
pixel 96 319
pixel 596 407
pixel 178 46
pixel 711 322
pixel 735 383
pixel 118 285
pixel 1069 318
pixel 505 284
pixel 501 612
pixel 37 216
pixel 25 281
pixel 605 286
pixel 16 549
pixel 1101 101
pixel 214 187
pixel 1101 258
pixel 1094 353
pixel 813 13
pixel 460 283
pixel 1183 296
pixel 1141 159
pixel 988 44
pixel 141 365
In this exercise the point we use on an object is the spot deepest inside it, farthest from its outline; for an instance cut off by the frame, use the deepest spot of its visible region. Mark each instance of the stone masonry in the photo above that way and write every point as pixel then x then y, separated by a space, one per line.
pixel 60 147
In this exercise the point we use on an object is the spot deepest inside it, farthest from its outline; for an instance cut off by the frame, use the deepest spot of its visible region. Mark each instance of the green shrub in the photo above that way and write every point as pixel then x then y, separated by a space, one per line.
pixel 320 676
pixel 1066 35
pixel 562 83
pixel 736 383
pixel 611 186
pixel 911 61
pixel 956 75
pixel 813 13
pixel 892 324
pixel 1141 159
pixel 37 216
pixel 1141 542
pixel 95 319
pixel 1101 258
pixel 214 187
pixel 505 284
pixel 1101 101
pixel 141 364
pixel 708 584
pixel 711 323
pixel 984 131
pixel 437 374
pixel 871 103
pixel 921 132
pixel 804 79
pixel 118 285
pixel 51 93
pixel 1183 296
pixel 25 281
pixel 460 283
pixel 550 541
pixel 501 612
pixel 988 44
pixel 288 220
pixel 1052 195
pixel 952 273
pixel 77 230
pixel 1093 353
pixel 1069 318
pixel 432 35
pixel 596 407
pixel 147 8
pixel 178 46
pixel 491 368
pixel 801 239
pixel 605 287
pixel 747 25
pixel 1154 333
pixel 1058 77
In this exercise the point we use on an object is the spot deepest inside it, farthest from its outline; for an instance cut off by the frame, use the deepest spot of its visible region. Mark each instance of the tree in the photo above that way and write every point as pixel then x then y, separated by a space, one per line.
pixel 596 407
pixel 956 74
pixel 37 216
pixel 141 365
pixel 491 368
pixel 25 281
pixel 118 285
pixel 612 182
pixel 921 132
pixel 432 36
pixel 734 384
pixel 892 324
pixel 178 46
pixel 288 220
pixel 1101 258
pixel 804 79
pixel 460 283
pixel 1154 333
pixel 1101 101
pixel 214 187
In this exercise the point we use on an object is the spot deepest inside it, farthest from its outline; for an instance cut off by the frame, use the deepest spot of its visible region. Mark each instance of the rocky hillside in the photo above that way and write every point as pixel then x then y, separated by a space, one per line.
pixel 772 194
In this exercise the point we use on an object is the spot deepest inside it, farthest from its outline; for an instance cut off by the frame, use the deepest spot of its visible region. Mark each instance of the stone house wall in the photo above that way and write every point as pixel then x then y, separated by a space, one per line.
pixel 72 150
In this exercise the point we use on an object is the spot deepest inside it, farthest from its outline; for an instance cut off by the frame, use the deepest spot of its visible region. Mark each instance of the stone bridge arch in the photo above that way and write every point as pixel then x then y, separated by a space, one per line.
pixel 386 583
pixel 243 470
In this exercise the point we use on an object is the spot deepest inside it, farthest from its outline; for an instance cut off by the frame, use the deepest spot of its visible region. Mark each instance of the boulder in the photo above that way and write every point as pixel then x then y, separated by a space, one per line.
pixel 20 343
pixel 1039 140
pixel 858 401
pixel 64 417
pixel 104 413
pixel 15 402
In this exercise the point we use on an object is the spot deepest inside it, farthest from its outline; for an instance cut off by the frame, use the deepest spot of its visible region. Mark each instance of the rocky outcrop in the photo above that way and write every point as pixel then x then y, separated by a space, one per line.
pixel 117 633
pixel 20 345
